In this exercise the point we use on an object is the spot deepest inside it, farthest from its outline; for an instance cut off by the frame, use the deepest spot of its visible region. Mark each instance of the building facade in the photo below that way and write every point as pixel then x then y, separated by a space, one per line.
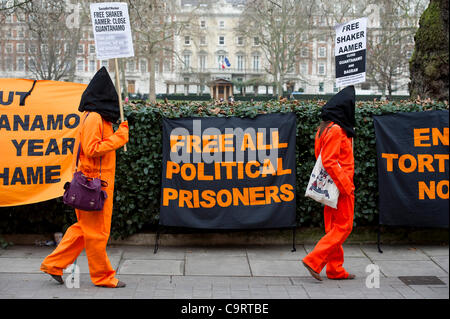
pixel 209 50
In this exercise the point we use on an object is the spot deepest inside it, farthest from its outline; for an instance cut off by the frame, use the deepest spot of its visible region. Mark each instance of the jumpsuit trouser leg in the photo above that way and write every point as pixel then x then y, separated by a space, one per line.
pixel 328 251
pixel 92 233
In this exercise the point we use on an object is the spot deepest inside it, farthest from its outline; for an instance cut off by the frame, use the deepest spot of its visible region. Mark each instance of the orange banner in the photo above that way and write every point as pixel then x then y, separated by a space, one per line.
pixel 37 138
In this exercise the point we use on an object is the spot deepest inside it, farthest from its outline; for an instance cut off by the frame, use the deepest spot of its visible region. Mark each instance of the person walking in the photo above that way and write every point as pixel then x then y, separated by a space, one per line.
pixel 334 140
pixel 97 142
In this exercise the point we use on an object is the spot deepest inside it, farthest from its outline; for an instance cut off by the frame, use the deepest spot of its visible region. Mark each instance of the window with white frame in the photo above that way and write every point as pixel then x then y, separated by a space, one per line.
pixel 32 48
pixel 240 62
pixel 240 40
pixel 321 86
pixel 91 65
pixel 80 49
pixel 322 52
pixel 256 62
pixel 156 66
pixel 91 48
pixel 20 64
pixel 143 65
pixel 186 61
pixel 202 62
pixel 221 40
pixel 8 64
pixel 202 40
pixel 104 63
pixel 303 68
pixel 321 68
pixel 221 24
pixel 8 48
pixel 31 64
pixel 202 24
pixel 131 66
pixel 304 52
pixel 255 41
pixel 80 65
pixel 187 40
pixel 166 66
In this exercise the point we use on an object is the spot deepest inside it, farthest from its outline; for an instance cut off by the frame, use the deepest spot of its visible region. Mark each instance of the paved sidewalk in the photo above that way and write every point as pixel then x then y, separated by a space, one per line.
pixel 270 272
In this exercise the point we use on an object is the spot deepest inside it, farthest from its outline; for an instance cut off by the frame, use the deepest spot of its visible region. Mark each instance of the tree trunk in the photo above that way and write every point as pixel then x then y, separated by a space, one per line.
pixel 124 80
pixel 152 88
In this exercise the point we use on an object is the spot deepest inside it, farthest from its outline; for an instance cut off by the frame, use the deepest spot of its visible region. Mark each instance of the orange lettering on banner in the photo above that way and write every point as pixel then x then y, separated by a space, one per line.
pixel 185 197
pixel 208 195
pixel 402 161
pixel 172 168
pixel 240 197
pixel 228 195
pixel 419 138
pixel 422 137
pixel 425 160
pixel 432 190
pixel 438 136
pixel 194 143
pixel 389 160
pixel 287 190
pixel 201 173
pixel 247 143
pixel 192 171
pixel 441 158
pixel 272 193
pixel 440 189
pixel 168 195
pixel 229 166
pixel 255 197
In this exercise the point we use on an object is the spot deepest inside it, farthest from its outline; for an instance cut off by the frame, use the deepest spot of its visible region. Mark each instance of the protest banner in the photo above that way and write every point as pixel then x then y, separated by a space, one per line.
pixel 350 52
pixel 229 173
pixel 112 35
pixel 413 168
pixel 37 138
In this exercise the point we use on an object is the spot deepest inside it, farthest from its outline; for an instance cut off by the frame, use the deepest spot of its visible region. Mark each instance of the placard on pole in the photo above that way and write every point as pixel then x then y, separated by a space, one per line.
pixel 112 35
pixel 350 52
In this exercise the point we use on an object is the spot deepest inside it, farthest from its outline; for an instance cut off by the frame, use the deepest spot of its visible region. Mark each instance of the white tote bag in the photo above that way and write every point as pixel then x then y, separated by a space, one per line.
pixel 321 187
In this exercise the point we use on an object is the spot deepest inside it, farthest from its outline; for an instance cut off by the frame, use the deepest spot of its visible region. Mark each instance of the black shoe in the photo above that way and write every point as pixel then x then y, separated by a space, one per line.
pixel 58 278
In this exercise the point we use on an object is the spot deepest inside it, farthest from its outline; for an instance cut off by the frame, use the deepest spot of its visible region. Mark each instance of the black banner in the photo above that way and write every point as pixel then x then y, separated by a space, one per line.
pixel 413 166
pixel 229 173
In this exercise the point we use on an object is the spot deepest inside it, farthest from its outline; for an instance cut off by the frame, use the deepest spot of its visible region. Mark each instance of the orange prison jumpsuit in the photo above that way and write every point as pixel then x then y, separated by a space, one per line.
pixel 93 227
pixel 336 147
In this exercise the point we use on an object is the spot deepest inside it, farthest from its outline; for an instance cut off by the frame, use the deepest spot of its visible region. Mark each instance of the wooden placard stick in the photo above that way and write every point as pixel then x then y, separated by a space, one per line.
pixel 119 92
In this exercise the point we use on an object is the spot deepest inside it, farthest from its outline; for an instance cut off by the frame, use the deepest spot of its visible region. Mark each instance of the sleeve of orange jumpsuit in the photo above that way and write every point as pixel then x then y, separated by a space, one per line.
pixel 330 154
pixel 91 138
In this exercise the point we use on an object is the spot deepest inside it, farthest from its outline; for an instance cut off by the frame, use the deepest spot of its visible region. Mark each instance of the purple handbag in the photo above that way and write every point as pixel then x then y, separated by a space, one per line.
pixel 84 192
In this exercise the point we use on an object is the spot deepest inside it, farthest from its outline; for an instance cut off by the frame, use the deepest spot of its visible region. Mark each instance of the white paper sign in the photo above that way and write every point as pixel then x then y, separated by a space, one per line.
pixel 112 31
pixel 350 52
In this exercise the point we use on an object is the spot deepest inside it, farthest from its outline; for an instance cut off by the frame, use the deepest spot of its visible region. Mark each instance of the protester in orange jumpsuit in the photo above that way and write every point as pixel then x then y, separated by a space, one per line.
pixel 98 144
pixel 334 141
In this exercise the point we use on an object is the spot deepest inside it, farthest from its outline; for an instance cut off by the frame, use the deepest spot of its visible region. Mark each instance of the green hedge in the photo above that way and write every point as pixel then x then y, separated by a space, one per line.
pixel 138 174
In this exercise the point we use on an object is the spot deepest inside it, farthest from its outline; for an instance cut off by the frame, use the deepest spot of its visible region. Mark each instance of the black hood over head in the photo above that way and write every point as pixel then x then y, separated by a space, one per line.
pixel 100 96
pixel 341 110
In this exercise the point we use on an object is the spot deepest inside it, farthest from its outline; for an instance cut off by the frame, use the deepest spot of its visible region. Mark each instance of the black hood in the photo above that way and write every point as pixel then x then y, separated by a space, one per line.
pixel 100 96
pixel 341 110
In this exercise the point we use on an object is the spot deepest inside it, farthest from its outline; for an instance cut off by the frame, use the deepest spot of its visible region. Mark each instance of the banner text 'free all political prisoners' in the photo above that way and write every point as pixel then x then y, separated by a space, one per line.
pixel 37 139
pixel 413 168
pixel 350 52
pixel 229 173
pixel 112 31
